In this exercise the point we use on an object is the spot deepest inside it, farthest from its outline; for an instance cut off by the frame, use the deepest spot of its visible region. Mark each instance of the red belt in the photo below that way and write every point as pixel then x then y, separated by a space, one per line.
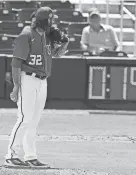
pixel 36 75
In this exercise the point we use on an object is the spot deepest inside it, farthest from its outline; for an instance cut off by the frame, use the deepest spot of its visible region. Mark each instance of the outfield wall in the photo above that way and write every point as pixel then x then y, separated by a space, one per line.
pixel 83 83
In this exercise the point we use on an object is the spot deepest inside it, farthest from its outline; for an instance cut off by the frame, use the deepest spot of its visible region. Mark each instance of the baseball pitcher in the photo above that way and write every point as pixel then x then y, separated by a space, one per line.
pixel 31 66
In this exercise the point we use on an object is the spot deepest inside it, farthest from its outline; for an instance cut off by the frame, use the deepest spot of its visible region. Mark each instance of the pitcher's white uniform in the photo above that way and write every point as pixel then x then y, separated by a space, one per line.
pixel 35 51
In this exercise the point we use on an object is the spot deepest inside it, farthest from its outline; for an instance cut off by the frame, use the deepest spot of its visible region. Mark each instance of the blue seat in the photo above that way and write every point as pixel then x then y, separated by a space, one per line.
pixel 70 15
pixel 6 44
pixel 76 28
pixel 19 4
pixel 11 27
pixel 25 14
pixel 7 15
pixel 74 43
pixel 56 4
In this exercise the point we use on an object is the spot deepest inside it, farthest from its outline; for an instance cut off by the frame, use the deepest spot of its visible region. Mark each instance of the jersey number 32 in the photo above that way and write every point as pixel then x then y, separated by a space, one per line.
pixel 35 60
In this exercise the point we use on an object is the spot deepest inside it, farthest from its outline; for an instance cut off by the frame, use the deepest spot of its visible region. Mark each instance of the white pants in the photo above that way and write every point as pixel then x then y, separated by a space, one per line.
pixel 31 102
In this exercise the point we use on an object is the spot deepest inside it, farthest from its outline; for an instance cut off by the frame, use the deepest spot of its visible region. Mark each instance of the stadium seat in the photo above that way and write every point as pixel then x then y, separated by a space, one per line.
pixel 25 14
pixel 20 4
pixel 63 27
pixel 6 44
pixel 1 4
pixel 7 15
pixel 10 27
pixel 70 15
pixel 56 4
pixel 76 28
pixel 74 43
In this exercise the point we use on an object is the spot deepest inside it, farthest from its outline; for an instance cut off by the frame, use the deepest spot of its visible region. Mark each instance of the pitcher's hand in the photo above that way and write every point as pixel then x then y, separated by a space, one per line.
pixel 14 94
pixel 95 50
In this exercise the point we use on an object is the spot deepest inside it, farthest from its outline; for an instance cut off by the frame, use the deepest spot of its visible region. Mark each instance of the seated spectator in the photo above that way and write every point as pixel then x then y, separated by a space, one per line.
pixel 97 37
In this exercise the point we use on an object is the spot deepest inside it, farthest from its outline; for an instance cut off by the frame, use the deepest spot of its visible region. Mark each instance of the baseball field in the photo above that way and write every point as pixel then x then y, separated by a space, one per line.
pixel 76 142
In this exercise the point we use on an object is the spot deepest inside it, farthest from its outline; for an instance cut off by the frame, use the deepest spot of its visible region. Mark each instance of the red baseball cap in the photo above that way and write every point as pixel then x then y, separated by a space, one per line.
pixel 44 13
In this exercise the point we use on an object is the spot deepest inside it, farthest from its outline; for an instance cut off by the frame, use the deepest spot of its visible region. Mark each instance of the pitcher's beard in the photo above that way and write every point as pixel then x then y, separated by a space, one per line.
pixel 43 24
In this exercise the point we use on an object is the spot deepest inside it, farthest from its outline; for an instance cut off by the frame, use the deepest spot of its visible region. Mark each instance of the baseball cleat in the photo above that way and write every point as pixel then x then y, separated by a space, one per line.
pixel 15 162
pixel 36 164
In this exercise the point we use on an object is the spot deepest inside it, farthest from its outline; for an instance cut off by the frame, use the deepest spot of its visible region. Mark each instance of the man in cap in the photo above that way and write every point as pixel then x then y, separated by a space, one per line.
pixel 97 37
pixel 31 66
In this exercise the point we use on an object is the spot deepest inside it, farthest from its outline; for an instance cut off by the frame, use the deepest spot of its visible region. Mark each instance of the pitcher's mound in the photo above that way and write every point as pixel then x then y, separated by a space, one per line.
pixel 13 171
pixel 6 170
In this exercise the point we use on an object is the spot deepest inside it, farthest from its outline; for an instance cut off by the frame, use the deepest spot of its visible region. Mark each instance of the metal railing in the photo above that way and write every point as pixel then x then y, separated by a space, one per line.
pixel 126 2
pixel 134 19
pixel 121 24
pixel 107 12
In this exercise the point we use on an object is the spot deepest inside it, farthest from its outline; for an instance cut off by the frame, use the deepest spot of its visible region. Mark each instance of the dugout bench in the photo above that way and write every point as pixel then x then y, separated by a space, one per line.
pixel 83 83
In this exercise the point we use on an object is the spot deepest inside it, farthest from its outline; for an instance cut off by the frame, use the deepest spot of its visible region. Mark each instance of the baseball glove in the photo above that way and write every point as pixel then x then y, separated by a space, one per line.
pixel 59 41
